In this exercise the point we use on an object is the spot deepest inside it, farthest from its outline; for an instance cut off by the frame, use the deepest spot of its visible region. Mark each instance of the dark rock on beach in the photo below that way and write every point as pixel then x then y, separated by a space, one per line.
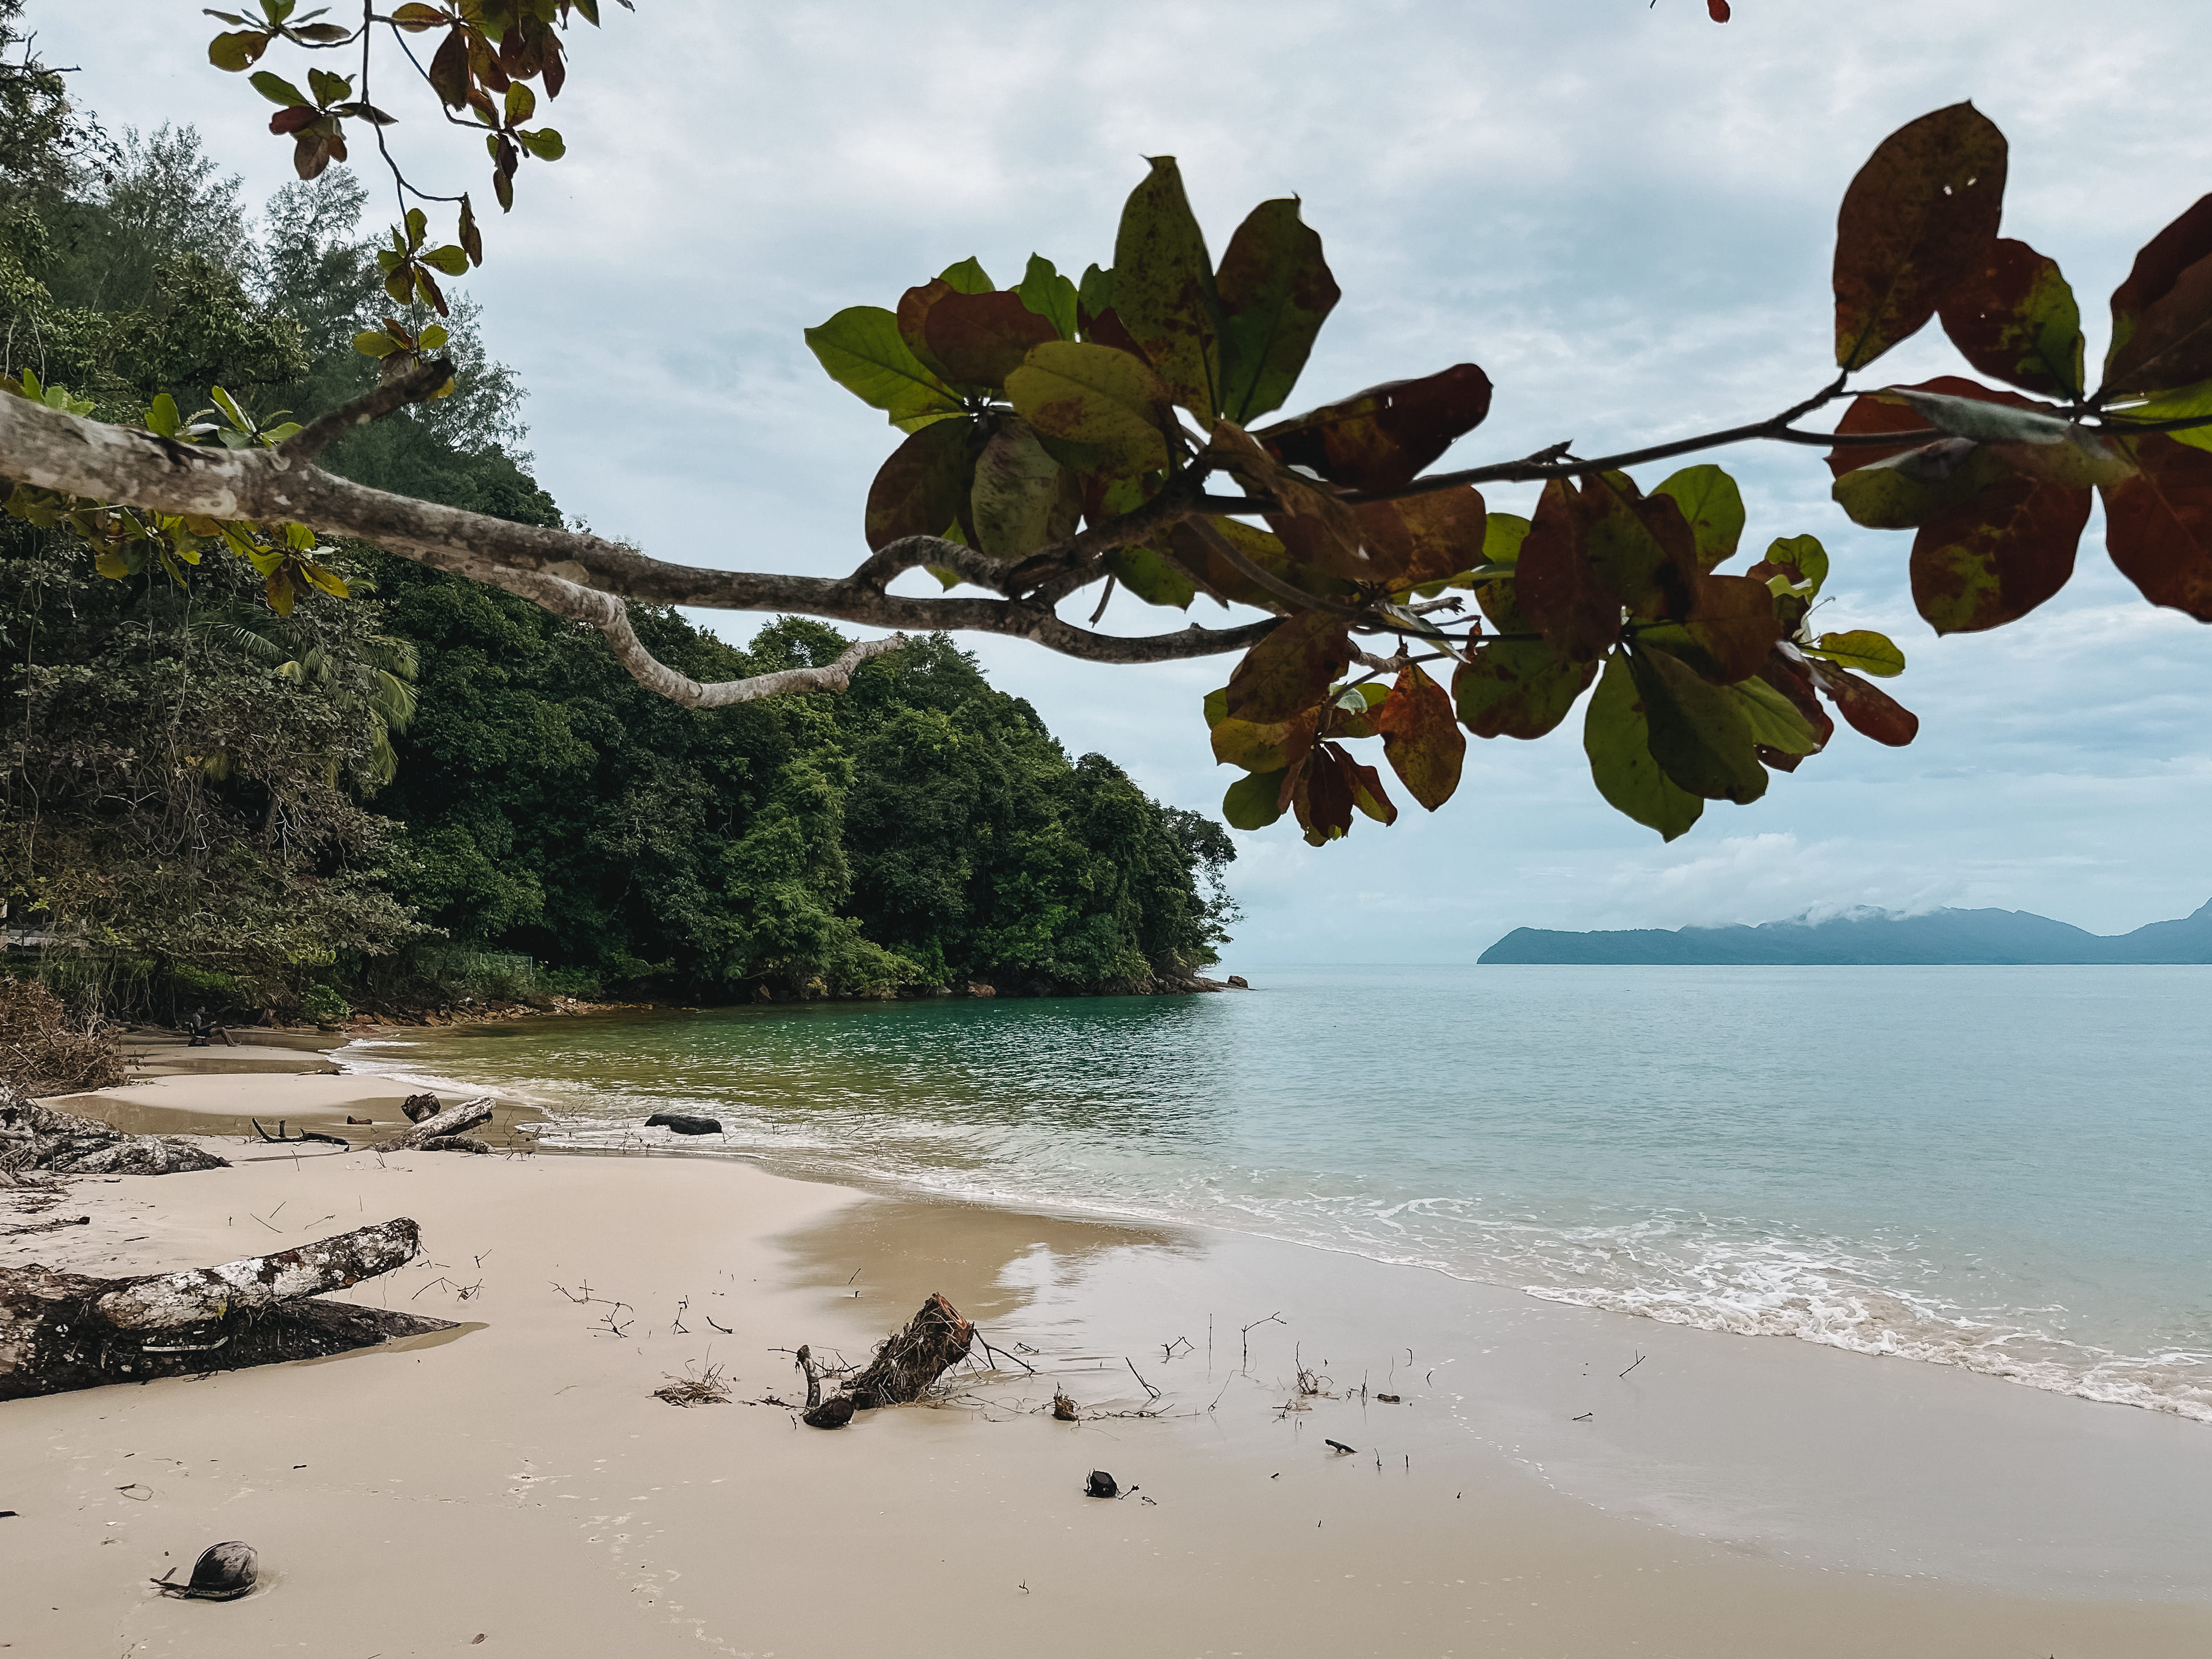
pixel 678 1123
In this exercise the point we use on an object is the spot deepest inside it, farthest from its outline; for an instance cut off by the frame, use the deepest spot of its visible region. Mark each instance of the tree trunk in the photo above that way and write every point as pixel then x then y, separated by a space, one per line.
pixel 933 1340
pixel 62 1331
pixel 452 1123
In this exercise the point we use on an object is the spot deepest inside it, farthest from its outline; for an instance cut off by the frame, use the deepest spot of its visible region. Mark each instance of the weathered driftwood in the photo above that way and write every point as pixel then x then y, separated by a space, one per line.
pixel 60 1331
pixel 416 1108
pixel 35 1137
pixel 446 1132
pixel 934 1340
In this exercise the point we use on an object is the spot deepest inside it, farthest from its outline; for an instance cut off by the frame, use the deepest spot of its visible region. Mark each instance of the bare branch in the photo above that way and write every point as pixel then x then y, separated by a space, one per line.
pixel 411 386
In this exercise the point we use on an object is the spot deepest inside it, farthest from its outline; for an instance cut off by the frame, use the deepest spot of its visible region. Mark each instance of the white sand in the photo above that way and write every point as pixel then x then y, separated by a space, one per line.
pixel 519 1481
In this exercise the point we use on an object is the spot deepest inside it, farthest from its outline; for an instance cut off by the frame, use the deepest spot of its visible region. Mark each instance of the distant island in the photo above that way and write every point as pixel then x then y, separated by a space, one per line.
pixel 1960 937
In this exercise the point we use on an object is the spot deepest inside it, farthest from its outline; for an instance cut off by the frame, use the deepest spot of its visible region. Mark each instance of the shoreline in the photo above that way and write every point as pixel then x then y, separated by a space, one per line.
pixel 1599 1522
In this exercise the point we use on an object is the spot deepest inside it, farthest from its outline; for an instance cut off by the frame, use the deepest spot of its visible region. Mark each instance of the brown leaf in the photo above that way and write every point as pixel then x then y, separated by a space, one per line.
pixel 1869 710
pixel 1556 586
pixel 1730 630
pixel 1381 438
pixel 1314 523
pixel 1642 547
pixel 1288 671
pixel 1421 738
pixel 1793 677
pixel 1424 538
pixel 2160 313
pixel 2158 525
pixel 1916 220
pixel 1872 412
pixel 980 339
pixel 922 489
pixel 2014 316
pixel 1990 560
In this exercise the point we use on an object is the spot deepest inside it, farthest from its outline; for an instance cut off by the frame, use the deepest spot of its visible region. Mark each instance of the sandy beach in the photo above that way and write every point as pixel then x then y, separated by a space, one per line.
pixel 515 1485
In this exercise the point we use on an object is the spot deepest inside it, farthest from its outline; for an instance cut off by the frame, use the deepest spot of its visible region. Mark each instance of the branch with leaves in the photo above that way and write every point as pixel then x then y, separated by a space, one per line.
pixel 1113 432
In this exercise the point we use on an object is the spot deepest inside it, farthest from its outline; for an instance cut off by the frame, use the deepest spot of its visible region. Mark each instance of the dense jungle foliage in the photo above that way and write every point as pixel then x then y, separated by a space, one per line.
pixel 400 796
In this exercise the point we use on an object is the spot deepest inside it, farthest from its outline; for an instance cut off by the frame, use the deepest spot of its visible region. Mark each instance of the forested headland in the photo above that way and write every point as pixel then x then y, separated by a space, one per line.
pixel 394 797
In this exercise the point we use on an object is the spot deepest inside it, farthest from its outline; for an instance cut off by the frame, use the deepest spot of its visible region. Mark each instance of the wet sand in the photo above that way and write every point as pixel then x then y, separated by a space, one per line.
pixel 519 1481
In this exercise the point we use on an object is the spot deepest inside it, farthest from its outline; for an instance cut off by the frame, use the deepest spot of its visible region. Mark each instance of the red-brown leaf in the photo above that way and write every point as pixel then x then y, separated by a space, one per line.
pixel 1917 219
pixel 1557 587
pixel 980 339
pixel 1424 538
pixel 2158 525
pixel 1381 438
pixel 1287 672
pixel 2014 316
pixel 1421 738
pixel 2160 311
pixel 1869 710
pixel 1871 413
pixel 1986 561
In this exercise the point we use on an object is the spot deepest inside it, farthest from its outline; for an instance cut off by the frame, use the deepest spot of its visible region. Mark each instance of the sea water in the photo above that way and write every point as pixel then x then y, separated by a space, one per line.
pixel 2008 1169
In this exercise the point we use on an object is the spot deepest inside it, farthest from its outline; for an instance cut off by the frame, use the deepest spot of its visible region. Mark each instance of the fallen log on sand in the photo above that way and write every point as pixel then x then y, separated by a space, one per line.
pixel 446 1132
pixel 35 1137
pixel 61 1331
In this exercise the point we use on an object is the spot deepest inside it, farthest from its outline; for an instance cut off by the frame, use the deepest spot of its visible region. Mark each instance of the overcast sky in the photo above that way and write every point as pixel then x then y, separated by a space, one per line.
pixel 1622 211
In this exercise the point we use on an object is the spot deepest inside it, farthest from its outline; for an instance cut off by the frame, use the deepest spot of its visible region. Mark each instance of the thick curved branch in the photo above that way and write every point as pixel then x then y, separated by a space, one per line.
pixel 50 450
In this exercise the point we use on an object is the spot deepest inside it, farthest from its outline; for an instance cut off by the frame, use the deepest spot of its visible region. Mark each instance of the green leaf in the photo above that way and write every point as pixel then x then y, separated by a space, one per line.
pixel 1517 689
pixel 1906 490
pixel 1798 563
pixel 432 336
pixel 277 90
pixel 1255 801
pixel 1270 748
pixel 453 260
pixel 1164 289
pixel 1275 291
pixel 1049 295
pixel 1861 648
pixel 1699 736
pixel 1618 740
pixel 328 88
pixel 2014 317
pixel 861 350
pixel 237 51
pixel 1917 220
pixel 1711 502
pixel 1992 560
pixel 545 144
pixel 1094 295
pixel 521 103
pixel 1022 497
pixel 1151 577
pixel 1094 395
pixel 967 277
pixel 922 487
pixel 1772 719
pixel 162 417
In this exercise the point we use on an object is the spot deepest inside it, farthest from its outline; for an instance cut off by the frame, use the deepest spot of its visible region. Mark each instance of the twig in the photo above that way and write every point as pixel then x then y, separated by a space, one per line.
pixel 1639 1360
pixel 1139 1375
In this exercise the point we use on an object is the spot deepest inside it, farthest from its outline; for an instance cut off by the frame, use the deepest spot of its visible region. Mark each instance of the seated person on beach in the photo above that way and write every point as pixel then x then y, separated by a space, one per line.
pixel 203 1031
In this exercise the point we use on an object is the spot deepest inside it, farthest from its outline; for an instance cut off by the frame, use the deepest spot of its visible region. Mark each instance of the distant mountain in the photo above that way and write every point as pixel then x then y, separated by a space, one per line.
pixel 1871 937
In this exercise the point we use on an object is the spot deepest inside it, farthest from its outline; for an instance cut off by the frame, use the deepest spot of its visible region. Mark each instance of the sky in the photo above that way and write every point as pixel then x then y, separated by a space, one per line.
pixel 1623 212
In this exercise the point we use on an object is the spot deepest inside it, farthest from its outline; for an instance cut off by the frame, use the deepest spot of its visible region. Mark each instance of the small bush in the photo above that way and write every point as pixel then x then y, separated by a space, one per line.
pixel 323 1005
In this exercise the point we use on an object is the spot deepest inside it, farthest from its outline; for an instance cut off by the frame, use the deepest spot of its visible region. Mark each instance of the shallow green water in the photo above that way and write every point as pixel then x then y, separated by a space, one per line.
pixel 2003 1169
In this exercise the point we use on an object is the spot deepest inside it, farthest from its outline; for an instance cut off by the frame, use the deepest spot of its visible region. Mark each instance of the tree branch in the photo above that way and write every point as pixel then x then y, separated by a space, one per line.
pixel 414 385
pixel 49 449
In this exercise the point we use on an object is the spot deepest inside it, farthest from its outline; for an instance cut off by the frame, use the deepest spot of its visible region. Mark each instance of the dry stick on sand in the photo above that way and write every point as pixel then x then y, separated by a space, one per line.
pixel 64 1331
pixel 905 1367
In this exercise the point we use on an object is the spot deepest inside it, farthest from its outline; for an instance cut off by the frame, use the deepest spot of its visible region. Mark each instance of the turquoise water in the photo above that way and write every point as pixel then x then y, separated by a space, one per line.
pixel 2008 1169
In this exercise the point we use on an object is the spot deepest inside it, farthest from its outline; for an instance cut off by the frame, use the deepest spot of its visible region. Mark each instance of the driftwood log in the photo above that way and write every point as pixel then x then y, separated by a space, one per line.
pixel 61 1331
pixel 35 1137
pixel 446 1131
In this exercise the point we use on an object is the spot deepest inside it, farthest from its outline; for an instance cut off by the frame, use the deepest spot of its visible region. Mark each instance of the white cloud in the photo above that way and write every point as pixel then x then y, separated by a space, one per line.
pixel 1624 213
